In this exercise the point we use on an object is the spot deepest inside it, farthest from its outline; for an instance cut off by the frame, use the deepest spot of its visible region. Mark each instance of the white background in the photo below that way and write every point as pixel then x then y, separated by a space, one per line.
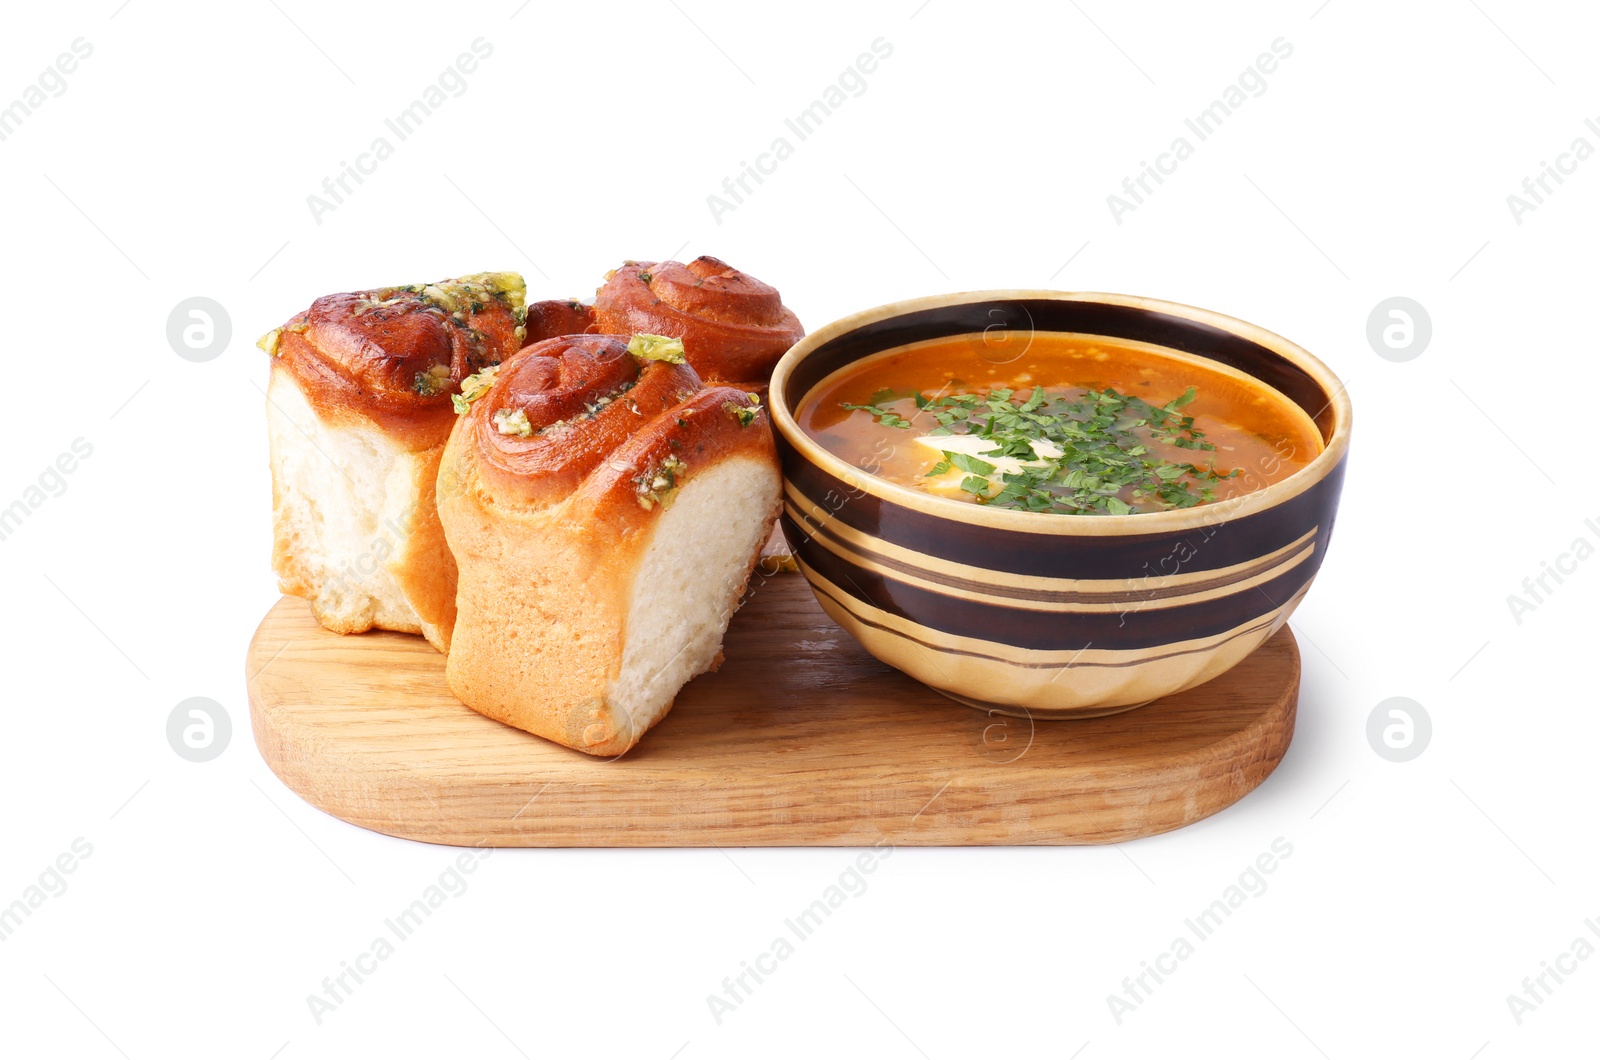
pixel 1377 163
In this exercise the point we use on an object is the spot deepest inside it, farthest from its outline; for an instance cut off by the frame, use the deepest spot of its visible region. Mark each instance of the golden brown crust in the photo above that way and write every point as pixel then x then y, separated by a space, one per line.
pixel 555 317
pixel 734 327
pixel 549 532
pixel 425 568
pixel 710 426
pixel 395 355
pixel 384 364
pixel 575 398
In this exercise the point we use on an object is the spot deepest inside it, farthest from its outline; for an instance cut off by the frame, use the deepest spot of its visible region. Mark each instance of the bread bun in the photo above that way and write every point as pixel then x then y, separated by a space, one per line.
pixel 734 327
pixel 359 406
pixel 606 510
pixel 555 317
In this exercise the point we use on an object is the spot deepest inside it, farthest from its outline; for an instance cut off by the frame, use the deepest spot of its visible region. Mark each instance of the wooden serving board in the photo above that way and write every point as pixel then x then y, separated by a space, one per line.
pixel 801 739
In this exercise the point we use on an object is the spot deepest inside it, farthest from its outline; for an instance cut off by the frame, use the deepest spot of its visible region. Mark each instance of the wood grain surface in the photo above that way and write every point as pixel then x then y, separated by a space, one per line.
pixel 801 739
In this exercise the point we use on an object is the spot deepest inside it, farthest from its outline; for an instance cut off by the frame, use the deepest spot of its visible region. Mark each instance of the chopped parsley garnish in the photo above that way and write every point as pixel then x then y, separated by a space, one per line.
pixel 745 414
pixel 887 417
pixel 1073 452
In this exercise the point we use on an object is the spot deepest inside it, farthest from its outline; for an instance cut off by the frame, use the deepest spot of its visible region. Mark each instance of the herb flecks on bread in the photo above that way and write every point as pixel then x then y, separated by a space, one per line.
pixel 578 619
pixel 360 402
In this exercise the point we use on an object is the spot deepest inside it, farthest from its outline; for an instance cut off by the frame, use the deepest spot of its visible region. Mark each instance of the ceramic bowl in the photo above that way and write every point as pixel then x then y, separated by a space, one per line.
pixel 1056 616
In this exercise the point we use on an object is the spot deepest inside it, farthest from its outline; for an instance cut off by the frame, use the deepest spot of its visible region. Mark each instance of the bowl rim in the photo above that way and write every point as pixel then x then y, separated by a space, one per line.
pixel 1139 523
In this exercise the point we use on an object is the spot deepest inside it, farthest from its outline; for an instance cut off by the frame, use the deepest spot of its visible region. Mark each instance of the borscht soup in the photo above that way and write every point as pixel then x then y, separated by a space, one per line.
pixel 1075 425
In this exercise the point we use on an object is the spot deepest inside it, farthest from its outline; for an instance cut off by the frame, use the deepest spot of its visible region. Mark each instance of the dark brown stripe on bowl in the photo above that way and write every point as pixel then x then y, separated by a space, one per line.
pixel 1235 540
pixel 1043 630
pixel 1137 590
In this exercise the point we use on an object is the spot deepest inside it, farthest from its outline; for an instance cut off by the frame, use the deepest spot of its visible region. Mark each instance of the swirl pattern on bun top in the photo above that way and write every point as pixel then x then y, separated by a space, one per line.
pixel 397 354
pixel 734 327
pixel 605 509
pixel 621 418
pixel 553 412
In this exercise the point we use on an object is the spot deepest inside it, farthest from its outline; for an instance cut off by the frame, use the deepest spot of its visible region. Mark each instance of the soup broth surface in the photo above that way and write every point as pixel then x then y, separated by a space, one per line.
pixel 1074 425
